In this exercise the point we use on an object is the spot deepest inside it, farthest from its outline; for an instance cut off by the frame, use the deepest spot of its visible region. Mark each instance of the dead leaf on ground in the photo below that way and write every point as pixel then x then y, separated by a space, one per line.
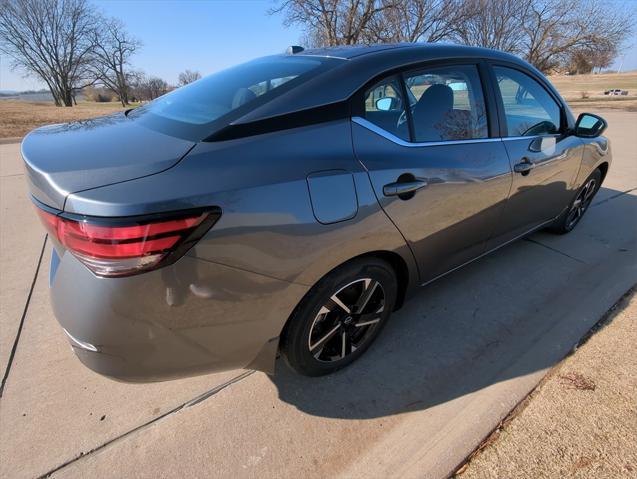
pixel 577 381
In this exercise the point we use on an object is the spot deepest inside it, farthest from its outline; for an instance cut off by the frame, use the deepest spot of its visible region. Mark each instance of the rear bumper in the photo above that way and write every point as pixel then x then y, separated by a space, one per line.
pixel 189 318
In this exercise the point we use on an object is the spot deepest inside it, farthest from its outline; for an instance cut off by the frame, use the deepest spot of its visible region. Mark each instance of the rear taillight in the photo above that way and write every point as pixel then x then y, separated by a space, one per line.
pixel 126 246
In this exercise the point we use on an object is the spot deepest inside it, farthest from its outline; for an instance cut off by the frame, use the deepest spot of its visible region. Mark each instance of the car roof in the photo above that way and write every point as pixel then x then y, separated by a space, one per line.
pixel 360 64
pixel 349 52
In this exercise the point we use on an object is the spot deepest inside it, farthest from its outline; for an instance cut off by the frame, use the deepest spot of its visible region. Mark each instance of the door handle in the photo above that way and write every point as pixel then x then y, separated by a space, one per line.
pixel 524 167
pixel 403 188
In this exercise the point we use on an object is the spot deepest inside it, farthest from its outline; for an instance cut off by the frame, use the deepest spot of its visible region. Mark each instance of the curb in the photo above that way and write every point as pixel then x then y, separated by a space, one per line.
pixel 11 139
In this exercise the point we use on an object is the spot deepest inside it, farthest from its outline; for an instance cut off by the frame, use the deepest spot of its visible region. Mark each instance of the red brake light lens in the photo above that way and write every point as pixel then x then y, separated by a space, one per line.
pixel 122 249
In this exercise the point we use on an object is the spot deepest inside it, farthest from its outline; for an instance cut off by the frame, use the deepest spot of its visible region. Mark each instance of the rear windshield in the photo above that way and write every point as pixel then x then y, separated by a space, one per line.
pixel 197 110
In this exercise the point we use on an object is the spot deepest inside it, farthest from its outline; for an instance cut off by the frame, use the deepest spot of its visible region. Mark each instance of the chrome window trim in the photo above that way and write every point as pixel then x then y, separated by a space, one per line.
pixel 399 141
pixel 513 138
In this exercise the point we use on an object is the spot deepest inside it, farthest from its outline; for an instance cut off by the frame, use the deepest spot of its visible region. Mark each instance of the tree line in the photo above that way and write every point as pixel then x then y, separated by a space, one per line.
pixel 571 35
pixel 70 45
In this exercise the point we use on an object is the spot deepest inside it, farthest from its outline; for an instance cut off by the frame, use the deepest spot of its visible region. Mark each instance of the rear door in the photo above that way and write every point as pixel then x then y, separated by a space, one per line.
pixel 437 172
pixel 544 156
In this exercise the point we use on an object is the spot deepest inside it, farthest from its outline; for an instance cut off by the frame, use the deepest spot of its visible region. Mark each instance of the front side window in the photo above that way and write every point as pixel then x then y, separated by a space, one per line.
pixel 385 107
pixel 447 104
pixel 530 110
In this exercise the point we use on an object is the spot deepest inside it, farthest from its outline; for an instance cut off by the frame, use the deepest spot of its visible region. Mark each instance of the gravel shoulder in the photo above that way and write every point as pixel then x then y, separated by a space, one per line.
pixel 581 421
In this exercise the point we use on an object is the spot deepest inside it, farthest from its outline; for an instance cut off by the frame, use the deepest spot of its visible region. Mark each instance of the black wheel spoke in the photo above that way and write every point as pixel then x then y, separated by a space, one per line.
pixel 321 342
pixel 368 292
pixel 340 303
pixel 590 189
pixel 346 344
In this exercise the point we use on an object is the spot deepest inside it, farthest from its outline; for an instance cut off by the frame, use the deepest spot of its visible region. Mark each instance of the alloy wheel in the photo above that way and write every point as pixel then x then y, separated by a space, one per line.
pixel 347 320
pixel 581 203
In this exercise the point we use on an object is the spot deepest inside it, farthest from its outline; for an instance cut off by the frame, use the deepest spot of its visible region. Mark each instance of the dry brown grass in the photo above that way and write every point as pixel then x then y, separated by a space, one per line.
pixel 586 92
pixel 17 117
pixel 571 85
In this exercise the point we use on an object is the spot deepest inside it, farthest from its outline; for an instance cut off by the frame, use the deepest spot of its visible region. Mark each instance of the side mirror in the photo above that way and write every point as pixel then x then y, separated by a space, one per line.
pixel 387 103
pixel 589 125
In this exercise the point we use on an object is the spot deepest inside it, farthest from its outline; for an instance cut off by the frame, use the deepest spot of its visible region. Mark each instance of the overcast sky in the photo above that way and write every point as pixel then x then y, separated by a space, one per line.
pixel 200 35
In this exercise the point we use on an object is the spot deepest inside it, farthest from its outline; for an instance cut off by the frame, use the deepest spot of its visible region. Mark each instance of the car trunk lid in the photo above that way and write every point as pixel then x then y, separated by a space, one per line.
pixel 72 157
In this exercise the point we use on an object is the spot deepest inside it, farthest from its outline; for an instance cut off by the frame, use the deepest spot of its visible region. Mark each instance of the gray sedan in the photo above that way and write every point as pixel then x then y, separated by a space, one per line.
pixel 292 203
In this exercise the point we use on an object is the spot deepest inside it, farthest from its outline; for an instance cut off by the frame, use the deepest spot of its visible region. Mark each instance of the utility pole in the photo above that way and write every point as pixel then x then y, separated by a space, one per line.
pixel 621 64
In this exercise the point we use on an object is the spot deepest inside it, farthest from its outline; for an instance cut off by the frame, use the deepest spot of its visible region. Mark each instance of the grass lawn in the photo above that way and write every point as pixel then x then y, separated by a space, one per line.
pixel 18 117
pixel 586 92
pixel 583 93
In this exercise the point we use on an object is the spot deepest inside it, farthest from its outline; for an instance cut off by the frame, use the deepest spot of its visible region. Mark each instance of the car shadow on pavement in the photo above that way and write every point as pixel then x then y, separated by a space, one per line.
pixel 512 313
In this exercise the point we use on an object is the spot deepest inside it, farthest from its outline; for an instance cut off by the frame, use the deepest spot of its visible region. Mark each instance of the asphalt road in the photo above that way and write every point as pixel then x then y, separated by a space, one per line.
pixel 449 366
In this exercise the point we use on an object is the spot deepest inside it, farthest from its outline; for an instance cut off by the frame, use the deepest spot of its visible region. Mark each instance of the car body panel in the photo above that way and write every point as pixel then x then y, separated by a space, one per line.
pixel 595 152
pixel 546 190
pixel 188 318
pixel 449 221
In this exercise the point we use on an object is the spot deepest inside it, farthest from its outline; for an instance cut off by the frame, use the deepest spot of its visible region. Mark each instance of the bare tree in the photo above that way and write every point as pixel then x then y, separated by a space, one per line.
pixel 493 24
pixel 113 48
pixel 554 29
pixel 156 87
pixel 545 32
pixel 603 57
pixel 332 22
pixel 188 76
pixel 50 39
pixel 585 60
pixel 416 20
pixel 147 88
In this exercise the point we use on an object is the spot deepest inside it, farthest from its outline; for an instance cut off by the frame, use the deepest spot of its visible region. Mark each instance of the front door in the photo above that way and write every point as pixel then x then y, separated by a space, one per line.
pixel 544 158
pixel 435 171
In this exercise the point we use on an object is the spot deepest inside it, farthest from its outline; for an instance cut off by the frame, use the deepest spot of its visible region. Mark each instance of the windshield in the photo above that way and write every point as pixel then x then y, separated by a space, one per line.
pixel 197 110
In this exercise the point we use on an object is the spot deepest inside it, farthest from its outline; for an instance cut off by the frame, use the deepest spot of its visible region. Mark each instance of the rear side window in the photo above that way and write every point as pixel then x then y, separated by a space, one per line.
pixel 447 103
pixel 385 107
pixel 206 100
pixel 197 110
pixel 530 110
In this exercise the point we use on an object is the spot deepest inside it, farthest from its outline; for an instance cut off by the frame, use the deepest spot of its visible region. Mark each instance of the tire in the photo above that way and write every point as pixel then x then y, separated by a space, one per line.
pixel 322 335
pixel 580 204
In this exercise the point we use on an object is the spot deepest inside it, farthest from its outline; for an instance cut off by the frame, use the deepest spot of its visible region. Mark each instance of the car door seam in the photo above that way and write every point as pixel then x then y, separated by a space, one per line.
pixel 371 185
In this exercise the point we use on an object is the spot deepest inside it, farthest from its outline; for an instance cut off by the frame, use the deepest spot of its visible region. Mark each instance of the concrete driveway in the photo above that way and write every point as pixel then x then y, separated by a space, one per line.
pixel 448 367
